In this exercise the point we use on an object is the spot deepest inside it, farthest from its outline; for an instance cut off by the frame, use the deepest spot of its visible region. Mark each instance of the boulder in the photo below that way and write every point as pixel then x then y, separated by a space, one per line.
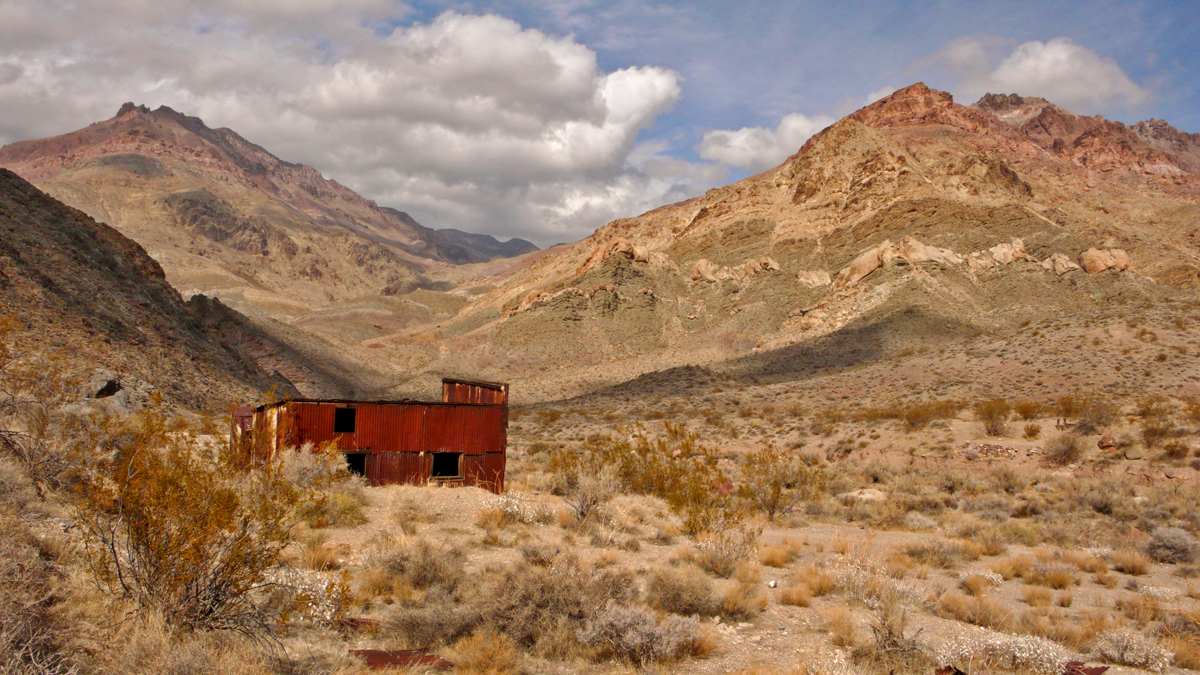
pixel 1095 260
pixel 868 261
pixel 1009 253
pixel 768 263
pixel 814 278
pixel 915 251
pixel 1133 452
pixel 704 270
pixel 864 495
pixel 1059 264
pixel 1107 442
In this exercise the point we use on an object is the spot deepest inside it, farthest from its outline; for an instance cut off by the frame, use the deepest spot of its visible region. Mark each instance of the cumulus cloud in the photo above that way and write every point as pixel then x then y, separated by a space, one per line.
pixel 758 148
pixel 467 121
pixel 1061 71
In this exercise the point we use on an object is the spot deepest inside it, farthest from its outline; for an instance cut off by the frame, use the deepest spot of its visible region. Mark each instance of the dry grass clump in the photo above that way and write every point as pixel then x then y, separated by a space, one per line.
pixel 840 624
pixel 1086 562
pixel 30 638
pixel 943 554
pixel 318 555
pixel 1065 449
pixel 742 599
pixel 778 555
pixel 1130 561
pixel 685 590
pixel 819 581
pixel 1140 608
pixel 891 650
pixel 798 595
pixel 1037 596
pixel 983 611
pixel 485 651
pixel 421 564
pixel 721 552
pixel 1056 576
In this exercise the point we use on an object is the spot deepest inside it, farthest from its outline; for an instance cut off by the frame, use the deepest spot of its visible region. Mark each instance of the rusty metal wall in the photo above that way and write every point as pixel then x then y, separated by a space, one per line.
pixel 402 436
pixel 458 391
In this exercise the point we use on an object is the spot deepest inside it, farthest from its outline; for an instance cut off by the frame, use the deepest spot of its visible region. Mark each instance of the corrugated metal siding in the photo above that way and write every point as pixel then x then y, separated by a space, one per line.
pixel 401 436
pixel 457 391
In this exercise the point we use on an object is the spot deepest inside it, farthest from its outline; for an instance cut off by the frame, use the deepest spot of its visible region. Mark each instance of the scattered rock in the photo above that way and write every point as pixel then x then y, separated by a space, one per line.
pixel 704 270
pixel 1059 264
pixel 1106 442
pixel 814 278
pixel 1133 452
pixel 1095 260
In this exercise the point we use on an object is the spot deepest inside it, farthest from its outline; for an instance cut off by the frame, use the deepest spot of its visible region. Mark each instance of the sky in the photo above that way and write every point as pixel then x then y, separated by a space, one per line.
pixel 546 119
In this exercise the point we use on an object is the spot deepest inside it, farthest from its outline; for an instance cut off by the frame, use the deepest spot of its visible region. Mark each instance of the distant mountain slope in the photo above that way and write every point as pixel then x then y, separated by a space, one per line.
pixel 913 220
pixel 226 218
pixel 82 289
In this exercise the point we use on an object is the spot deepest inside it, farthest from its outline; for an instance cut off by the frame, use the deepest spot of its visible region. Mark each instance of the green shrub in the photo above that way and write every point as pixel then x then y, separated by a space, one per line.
pixel 994 415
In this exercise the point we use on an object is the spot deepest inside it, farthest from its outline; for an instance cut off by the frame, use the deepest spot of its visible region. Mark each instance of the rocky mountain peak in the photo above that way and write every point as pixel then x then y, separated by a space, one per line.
pixel 914 104
pixel 129 107
pixel 1012 108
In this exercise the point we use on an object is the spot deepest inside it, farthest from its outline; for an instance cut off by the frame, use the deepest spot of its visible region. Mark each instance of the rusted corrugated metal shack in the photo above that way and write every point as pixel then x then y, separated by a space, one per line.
pixel 460 440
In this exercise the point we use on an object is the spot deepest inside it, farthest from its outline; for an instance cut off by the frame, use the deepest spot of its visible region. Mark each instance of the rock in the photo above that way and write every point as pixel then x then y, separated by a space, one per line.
pixel 704 270
pixel 1059 264
pixel 915 251
pixel 864 495
pixel 1133 452
pixel 1009 253
pixel 617 245
pixel 1095 260
pixel 1106 442
pixel 868 261
pixel 814 278
pixel 768 263
pixel 773 583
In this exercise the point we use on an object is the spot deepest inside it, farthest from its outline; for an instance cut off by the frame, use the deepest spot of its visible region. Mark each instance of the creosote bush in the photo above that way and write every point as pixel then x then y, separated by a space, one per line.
pixel 776 482
pixel 637 635
pixel 185 530
pixel 994 415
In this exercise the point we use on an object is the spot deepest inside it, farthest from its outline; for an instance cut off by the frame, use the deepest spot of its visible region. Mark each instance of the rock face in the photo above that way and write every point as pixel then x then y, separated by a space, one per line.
pixel 81 286
pixel 814 278
pixel 227 218
pixel 1095 260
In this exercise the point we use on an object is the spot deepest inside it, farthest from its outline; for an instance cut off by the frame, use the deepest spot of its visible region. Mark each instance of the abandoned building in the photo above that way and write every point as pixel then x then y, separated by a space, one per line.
pixel 460 440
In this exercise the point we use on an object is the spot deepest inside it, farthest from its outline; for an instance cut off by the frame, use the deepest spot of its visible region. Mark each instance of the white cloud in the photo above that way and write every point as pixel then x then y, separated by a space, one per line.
pixel 1065 73
pixel 758 148
pixel 882 92
pixel 466 121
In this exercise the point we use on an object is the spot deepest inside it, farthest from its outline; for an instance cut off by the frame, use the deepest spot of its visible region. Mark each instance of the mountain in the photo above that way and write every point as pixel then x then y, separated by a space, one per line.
pixel 913 221
pixel 91 297
pixel 226 218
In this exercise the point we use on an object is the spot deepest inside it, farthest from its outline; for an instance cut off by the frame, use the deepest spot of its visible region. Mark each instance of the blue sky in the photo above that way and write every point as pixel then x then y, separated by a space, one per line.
pixel 547 119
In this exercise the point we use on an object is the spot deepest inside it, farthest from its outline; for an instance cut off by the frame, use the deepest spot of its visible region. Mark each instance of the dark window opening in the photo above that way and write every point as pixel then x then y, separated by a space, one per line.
pixel 446 465
pixel 343 420
pixel 356 462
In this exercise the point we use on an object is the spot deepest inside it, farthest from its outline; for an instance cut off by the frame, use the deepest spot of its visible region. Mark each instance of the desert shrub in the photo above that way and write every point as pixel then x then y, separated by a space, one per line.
pixel 991 650
pixel 549 416
pixel 686 590
pixel 1171 545
pixel 776 482
pixel 840 624
pixel 1064 450
pixel 185 531
pixel 1175 451
pixel 994 415
pixel 546 607
pixel 423 564
pixel 437 621
pixel 1096 411
pixel 1066 406
pixel 1154 430
pixel 586 482
pixel 1027 409
pixel 1130 648
pixel 721 552
pixel 982 611
pixel 636 635
pixel 890 649
pixel 675 467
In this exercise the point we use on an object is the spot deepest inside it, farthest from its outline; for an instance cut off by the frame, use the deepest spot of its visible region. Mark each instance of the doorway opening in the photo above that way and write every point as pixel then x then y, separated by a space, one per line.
pixel 446 465
pixel 356 462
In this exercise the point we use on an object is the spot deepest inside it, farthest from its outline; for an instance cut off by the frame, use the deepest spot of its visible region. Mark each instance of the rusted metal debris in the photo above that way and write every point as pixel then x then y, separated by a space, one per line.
pixel 382 658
